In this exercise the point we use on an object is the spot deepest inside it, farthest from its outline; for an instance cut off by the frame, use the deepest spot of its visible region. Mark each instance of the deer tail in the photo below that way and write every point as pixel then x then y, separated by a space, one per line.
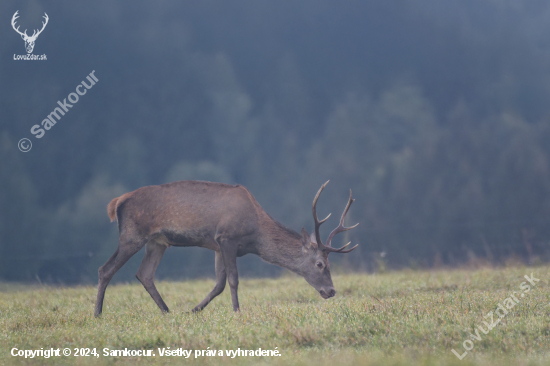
pixel 111 208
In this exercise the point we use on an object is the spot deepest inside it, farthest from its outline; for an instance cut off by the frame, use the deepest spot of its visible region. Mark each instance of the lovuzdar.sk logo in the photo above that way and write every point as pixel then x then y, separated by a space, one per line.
pixel 29 40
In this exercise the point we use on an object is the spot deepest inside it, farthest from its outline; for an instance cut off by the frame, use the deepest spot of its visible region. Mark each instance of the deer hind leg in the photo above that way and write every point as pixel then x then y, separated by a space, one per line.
pixel 220 283
pixel 126 249
pixel 147 269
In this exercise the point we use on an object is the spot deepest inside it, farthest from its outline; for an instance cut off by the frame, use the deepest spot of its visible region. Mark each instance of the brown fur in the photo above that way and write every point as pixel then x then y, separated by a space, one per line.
pixel 111 209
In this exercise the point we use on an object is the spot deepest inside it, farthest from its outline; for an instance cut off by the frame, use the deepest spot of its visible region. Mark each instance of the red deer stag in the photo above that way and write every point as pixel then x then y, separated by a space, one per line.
pixel 224 218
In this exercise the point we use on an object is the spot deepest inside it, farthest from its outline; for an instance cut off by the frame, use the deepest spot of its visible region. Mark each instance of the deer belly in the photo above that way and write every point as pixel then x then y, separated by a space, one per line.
pixel 188 238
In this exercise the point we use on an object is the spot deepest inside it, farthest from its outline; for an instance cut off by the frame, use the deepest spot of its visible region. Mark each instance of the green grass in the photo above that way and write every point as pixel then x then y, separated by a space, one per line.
pixel 396 318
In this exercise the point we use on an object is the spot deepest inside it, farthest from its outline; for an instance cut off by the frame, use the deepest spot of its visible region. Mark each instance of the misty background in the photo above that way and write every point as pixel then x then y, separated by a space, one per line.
pixel 435 113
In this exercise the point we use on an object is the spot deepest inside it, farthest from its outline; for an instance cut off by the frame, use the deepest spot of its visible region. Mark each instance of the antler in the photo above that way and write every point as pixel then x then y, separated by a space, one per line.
pixel 34 34
pixel 339 229
pixel 43 26
pixel 316 219
pixel 15 16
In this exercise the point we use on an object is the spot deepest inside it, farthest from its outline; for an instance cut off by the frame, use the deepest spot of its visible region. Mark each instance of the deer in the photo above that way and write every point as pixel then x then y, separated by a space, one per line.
pixel 221 217
pixel 29 41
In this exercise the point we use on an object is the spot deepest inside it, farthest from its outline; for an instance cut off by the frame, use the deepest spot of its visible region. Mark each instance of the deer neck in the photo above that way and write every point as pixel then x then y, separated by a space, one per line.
pixel 281 246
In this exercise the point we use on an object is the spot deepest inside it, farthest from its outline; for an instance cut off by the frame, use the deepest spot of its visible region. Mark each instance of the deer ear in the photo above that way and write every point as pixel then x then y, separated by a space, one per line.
pixel 312 240
pixel 306 240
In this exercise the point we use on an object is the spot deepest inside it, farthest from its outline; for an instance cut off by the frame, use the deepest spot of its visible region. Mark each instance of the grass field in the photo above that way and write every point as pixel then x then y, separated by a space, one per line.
pixel 395 318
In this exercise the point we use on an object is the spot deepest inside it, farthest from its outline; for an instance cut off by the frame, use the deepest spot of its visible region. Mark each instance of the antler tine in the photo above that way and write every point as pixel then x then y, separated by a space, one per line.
pixel 340 229
pixel 316 219
pixel 341 250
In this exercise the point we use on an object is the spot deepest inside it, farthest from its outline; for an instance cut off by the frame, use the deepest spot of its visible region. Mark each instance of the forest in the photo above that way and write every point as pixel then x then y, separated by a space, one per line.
pixel 435 114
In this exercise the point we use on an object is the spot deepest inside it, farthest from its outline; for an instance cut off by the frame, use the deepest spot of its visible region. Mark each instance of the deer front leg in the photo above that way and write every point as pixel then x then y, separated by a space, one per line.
pixel 127 247
pixel 220 283
pixel 229 254
pixel 147 269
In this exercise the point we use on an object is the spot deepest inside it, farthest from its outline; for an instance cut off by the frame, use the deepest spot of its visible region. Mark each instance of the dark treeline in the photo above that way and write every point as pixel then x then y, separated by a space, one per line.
pixel 435 113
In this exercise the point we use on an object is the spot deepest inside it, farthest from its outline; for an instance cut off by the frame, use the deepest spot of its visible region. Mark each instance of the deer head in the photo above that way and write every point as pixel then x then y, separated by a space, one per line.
pixel 29 41
pixel 316 268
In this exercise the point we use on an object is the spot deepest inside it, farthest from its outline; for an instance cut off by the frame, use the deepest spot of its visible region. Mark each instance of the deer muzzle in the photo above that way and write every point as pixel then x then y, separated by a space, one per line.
pixel 327 292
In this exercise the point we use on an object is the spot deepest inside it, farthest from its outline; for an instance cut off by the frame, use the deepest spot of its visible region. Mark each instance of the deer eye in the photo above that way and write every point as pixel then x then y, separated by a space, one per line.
pixel 319 264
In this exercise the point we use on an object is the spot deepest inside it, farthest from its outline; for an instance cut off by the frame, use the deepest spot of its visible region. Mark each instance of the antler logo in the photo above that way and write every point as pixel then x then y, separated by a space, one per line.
pixel 29 41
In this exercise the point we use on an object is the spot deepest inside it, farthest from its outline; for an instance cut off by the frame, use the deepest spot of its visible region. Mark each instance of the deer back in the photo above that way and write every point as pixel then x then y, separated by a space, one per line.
pixel 189 213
